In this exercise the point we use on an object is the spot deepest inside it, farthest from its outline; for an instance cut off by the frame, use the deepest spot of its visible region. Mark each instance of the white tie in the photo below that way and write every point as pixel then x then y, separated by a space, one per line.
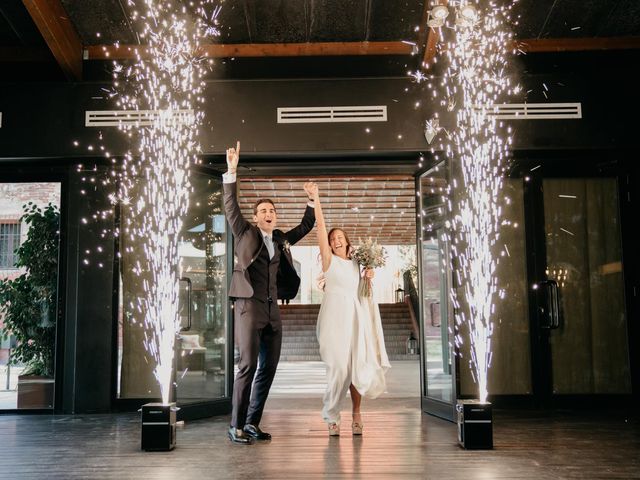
pixel 269 243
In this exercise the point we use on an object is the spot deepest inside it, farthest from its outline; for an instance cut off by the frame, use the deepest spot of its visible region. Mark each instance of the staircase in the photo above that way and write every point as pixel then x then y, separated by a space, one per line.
pixel 299 340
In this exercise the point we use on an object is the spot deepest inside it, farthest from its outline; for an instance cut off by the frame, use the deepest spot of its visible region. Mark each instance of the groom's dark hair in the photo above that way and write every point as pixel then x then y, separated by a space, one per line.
pixel 262 200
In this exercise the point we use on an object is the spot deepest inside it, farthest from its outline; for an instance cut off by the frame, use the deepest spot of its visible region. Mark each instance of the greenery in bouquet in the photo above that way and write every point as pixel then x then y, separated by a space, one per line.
pixel 369 254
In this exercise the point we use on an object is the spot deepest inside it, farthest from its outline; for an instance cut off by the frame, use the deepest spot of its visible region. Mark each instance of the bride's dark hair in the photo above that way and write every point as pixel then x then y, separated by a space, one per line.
pixel 346 237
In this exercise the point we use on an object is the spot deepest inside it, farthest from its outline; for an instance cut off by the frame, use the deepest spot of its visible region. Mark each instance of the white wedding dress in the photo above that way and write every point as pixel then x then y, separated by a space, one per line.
pixel 351 340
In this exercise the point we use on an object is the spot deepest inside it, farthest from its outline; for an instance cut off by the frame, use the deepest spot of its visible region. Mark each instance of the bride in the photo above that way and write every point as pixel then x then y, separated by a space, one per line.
pixel 349 329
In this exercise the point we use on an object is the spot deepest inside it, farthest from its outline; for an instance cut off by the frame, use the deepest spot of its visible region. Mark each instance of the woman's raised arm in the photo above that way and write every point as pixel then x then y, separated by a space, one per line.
pixel 323 239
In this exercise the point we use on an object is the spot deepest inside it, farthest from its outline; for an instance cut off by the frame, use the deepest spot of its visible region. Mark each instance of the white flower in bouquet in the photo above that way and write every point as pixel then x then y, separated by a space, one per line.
pixel 369 254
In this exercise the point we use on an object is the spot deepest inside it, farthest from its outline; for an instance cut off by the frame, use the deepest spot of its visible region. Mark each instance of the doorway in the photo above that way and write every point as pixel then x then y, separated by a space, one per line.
pixel 380 206
pixel 202 383
pixel 561 331
pixel 579 342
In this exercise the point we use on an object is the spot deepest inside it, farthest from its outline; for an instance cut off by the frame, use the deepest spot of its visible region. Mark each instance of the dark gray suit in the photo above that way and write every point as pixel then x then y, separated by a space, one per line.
pixel 258 328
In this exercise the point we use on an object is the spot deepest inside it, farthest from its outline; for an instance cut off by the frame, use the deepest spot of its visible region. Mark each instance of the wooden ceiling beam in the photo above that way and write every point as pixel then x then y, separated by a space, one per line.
pixel 430 48
pixel 59 34
pixel 577 44
pixel 128 52
pixel 433 37
pixel 546 45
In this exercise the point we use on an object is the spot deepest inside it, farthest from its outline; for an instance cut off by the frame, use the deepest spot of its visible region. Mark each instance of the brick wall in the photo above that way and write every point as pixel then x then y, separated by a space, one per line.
pixel 14 195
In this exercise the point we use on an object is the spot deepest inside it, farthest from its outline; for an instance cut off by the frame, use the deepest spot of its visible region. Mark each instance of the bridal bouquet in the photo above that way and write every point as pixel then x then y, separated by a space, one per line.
pixel 368 255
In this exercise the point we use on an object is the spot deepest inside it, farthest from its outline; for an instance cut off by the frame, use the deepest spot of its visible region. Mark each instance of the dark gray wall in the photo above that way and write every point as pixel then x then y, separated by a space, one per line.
pixel 44 120
pixel 89 324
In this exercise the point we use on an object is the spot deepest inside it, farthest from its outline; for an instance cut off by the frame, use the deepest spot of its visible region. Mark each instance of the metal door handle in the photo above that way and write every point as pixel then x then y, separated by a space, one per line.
pixel 432 312
pixel 188 280
pixel 555 302
pixel 552 301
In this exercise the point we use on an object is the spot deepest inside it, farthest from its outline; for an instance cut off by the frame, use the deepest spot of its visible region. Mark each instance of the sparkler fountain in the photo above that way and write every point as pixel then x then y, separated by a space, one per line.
pixel 476 46
pixel 167 80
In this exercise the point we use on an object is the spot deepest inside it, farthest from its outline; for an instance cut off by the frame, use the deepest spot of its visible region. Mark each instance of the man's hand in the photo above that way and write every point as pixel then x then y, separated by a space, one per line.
pixel 311 188
pixel 233 156
pixel 369 273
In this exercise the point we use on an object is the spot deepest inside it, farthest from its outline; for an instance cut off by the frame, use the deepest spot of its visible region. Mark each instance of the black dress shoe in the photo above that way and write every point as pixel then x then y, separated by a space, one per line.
pixel 238 436
pixel 255 432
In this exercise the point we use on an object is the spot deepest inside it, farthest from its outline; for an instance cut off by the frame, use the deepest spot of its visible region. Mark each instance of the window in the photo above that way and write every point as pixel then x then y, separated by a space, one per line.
pixel 9 242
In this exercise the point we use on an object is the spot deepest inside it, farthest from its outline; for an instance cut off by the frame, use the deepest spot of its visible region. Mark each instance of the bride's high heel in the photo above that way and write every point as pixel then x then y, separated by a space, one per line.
pixel 357 425
pixel 334 430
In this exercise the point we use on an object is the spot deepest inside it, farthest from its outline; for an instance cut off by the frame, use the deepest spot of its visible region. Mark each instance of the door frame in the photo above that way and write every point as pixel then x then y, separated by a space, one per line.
pixel 533 168
pixel 195 410
pixel 559 164
pixel 433 406
pixel 218 406
pixel 55 172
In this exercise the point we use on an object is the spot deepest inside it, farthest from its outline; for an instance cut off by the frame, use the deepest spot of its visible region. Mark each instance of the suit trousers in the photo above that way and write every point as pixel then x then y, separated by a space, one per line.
pixel 259 346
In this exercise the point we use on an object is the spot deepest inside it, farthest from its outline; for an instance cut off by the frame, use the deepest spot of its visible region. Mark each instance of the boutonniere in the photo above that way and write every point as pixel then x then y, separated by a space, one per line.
pixel 286 246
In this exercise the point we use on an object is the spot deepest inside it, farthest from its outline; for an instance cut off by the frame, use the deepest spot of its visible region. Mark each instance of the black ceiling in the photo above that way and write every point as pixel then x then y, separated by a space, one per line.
pixel 104 22
pixel 577 18
pixel 16 27
pixel 272 21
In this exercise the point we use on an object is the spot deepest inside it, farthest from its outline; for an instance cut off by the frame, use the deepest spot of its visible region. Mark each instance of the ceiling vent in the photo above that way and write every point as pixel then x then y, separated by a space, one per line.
pixel 534 111
pixel 367 113
pixel 136 118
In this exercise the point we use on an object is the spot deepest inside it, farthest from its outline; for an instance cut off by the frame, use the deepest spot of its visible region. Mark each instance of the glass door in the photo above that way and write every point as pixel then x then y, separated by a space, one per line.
pixel 202 375
pixel 29 304
pixel 561 329
pixel 202 348
pixel 437 357
pixel 580 320
pixel 446 374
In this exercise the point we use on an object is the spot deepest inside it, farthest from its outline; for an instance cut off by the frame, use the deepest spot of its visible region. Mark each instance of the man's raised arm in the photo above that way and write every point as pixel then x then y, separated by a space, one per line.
pixel 231 208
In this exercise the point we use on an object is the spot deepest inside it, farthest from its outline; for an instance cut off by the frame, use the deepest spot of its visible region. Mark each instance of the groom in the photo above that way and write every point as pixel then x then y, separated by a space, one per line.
pixel 263 266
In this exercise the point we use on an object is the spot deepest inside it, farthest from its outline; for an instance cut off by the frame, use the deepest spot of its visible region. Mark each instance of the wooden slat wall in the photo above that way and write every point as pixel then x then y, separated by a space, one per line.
pixel 379 207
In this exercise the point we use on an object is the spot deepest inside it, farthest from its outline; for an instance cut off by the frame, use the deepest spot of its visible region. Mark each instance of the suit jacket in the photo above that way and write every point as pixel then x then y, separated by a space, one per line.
pixel 248 244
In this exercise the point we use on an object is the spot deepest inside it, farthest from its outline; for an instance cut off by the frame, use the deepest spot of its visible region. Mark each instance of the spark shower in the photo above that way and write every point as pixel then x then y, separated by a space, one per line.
pixel 477 45
pixel 167 78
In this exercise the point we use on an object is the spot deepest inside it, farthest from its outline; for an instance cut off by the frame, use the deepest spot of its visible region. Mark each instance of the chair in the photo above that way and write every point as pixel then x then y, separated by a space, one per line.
pixel 191 354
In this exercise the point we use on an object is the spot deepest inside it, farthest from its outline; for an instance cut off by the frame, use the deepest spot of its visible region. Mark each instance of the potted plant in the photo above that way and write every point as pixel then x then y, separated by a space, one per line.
pixel 28 306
